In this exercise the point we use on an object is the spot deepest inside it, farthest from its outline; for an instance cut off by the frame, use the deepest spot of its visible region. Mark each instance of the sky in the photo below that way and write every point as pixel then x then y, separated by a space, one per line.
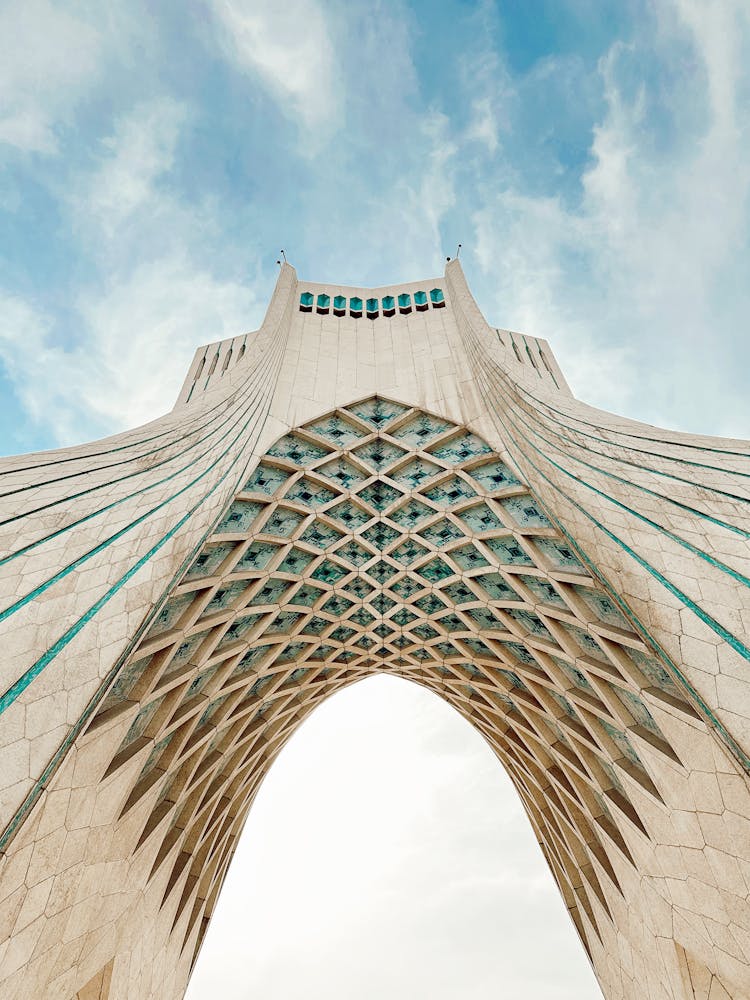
pixel 592 158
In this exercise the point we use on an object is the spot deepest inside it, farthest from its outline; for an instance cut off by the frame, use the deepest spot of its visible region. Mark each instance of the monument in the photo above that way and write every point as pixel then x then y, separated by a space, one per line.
pixel 376 480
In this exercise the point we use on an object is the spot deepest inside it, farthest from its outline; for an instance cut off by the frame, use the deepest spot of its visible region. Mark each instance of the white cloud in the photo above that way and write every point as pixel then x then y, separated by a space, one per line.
pixel 647 260
pixel 137 155
pixel 48 58
pixel 288 47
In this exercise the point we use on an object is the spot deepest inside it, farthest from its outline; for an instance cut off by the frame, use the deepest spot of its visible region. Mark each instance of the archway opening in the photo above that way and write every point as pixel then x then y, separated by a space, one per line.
pixel 383 539
pixel 388 854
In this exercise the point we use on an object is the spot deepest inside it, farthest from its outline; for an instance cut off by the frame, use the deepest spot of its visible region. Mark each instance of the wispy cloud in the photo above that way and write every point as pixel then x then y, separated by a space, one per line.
pixel 48 58
pixel 288 48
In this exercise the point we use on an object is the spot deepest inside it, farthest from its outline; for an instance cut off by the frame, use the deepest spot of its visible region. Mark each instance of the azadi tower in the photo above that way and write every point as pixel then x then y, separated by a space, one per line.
pixel 374 481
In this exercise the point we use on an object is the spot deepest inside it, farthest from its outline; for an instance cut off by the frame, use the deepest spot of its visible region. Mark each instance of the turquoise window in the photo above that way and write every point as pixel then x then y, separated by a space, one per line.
pixel 306 300
pixel 404 301
pixel 437 296
pixel 389 303
pixel 355 304
pixel 372 306
pixel 324 301
pixel 339 305
pixel 420 300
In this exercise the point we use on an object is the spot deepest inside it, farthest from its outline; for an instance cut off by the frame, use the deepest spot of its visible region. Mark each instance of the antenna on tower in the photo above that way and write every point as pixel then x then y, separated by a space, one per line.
pixel 458 252
pixel 284 256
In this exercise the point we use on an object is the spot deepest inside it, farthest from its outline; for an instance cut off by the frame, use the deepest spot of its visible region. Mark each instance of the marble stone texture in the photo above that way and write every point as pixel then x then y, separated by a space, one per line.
pixel 336 495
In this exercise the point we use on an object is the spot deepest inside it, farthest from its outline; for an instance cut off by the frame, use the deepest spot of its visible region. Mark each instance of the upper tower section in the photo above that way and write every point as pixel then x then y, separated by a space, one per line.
pixel 383 317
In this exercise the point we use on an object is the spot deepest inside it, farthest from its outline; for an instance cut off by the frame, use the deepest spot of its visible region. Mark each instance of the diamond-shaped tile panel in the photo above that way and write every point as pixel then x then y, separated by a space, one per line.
pixel 315 626
pixel 354 553
pixel 585 642
pixel 494 476
pixel 430 604
pixel 252 658
pixel 412 475
pixel 343 633
pixel 450 492
pixel 380 535
pixel 634 705
pixel 524 512
pixel 310 493
pixel 619 738
pixel 379 454
pixel 284 623
pixel 382 630
pixel 411 514
pixel 468 557
pixel 408 552
pixel 379 495
pixel 655 673
pixel 441 533
pixel 517 651
pixel 529 622
pixel 403 617
pixel 335 429
pixel 225 597
pixel 459 593
pixel 271 591
pixel 283 522
pixel 239 517
pixel 359 588
pixel 266 479
pixel 484 619
pixel 293 651
pixel 496 587
pixel 342 472
pixel 295 561
pixel 602 606
pixel 349 515
pixel 381 571
pixel 559 555
pixel 461 448
pixel 362 617
pixel 436 570
pixel 256 557
pixel 296 449
pixel 418 431
pixel 406 587
pixel 508 551
pixel 382 603
pixel 573 674
pixel 377 412
pixel 425 631
pixel 452 623
pixel 306 595
pixel 320 535
pixel 544 592
pixel 172 614
pixel 209 559
pixel 480 518
pixel 337 605
pixel 328 572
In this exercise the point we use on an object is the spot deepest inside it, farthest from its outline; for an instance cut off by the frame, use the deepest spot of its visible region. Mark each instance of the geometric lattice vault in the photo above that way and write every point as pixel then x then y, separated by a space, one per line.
pixel 376 481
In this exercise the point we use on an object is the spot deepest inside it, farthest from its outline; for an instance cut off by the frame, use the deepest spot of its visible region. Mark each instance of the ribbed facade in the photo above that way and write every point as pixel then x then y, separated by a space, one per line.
pixel 374 481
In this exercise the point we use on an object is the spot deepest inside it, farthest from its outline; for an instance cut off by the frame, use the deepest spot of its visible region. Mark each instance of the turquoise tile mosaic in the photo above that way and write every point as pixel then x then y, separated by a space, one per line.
pixel 283 522
pixel 379 495
pixel 379 454
pixel 342 472
pixel 496 587
pixel 239 518
pixel 508 551
pixel 337 431
pixel 460 448
pixel 378 412
pixel 412 475
pixel 267 479
pixel 419 430
pixel 494 476
pixel 298 450
pixel 310 493
pixel 450 491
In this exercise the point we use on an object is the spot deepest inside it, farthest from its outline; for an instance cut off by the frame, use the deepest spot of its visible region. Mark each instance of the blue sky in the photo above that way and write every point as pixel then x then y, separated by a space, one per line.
pixel 592 157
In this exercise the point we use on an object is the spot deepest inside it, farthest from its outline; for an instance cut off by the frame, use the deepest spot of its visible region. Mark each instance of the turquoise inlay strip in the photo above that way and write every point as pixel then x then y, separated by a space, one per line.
pixel 643 437
pixel 38 591
pixel 115 503
pixel 647 520
pixel 645 468
pixel 22 683
pixel 716 724
pixel 643 489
